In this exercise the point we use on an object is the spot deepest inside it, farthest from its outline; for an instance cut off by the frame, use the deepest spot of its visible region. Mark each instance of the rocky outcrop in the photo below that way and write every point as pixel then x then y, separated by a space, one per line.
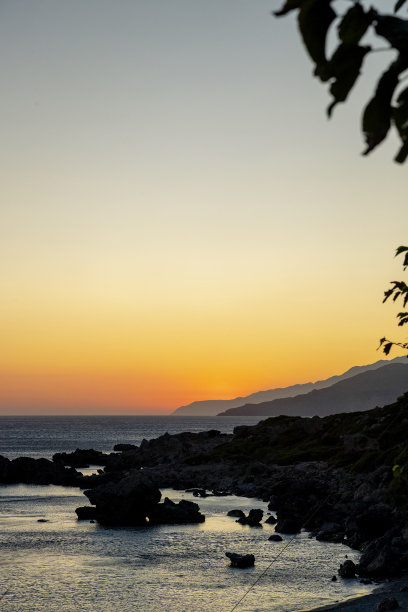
pixel 241 561
pixel 81 458
pixel 347 569
pixel 253 519
pixel 27 470
pixel 134 500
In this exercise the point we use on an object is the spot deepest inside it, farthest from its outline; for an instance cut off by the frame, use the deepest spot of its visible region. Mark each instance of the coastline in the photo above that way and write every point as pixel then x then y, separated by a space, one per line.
pixel 369 603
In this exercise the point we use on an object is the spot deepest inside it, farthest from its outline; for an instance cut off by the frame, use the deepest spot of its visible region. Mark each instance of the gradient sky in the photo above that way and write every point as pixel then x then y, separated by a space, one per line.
pixel 179 220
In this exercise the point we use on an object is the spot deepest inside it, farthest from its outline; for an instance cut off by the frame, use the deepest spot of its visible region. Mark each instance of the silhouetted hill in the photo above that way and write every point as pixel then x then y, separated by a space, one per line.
pixel 214 407
pixel 360 392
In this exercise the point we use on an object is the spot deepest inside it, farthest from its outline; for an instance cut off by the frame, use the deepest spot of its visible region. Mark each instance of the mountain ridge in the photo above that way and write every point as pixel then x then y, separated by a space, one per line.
pixel 361 392
pixel 214 407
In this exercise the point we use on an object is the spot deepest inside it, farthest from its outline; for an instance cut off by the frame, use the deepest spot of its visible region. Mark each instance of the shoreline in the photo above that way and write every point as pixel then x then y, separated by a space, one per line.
pixel 369 603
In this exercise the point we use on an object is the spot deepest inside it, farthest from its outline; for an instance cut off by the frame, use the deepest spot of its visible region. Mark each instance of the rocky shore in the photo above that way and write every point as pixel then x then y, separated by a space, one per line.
pixel 340 477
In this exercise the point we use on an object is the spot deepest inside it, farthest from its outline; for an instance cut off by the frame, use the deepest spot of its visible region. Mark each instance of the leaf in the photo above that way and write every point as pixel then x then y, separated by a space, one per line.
pixel 377 113
pixel 387 347
pixel 393 29
pixel 399 4
pixel 354 24
pixel 401 249
pixel 345 66
pixel 400 120
pixel 290 5
pixel 314 19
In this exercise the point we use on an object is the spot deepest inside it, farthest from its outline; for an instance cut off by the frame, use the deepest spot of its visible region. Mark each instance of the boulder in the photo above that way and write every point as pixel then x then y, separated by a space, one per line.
pixel 347 569
pixel 81 458
pixel 289 525
pixel 86 513
pixel 271 520
pixel 237 513
pixel 275 538
pixel 253 519
pixel 170 513
pixel 241 561
pixel 134 500
pixel 389 603
pixel 124 447
pixel 126 502
pixel 378 560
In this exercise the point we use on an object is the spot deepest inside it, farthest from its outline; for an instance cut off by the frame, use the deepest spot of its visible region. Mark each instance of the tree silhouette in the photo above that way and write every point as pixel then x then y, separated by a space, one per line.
pixel 397 291
pixel 388 106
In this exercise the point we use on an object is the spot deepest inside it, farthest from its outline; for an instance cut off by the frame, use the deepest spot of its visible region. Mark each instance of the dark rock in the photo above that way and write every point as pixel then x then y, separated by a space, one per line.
pixel 170 513
pixel 241 561
pixel 271 520
pixel 334 579
pixel 378 560
pixel 288 525
pixel 389 603
pixel 85 513
pixel 42 521
pixel 253 519
pixel 275 538
pixel 197 492
pixel 126 502
pixel 124 447
pixel 35 471
pixel 238 513
pixel 347 569
pixel 81 458
pixel 134 500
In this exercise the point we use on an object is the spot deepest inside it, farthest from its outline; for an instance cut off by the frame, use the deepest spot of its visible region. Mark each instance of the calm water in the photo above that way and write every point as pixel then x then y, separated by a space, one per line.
pixel 66 565
pixel 43 436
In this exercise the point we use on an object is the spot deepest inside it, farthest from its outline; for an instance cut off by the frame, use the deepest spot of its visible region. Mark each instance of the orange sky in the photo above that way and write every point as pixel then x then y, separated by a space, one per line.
pixel 177 223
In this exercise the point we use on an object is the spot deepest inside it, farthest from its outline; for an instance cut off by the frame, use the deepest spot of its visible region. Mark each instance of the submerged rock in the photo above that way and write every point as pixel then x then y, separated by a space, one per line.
pixel 275 538
pixel 241 561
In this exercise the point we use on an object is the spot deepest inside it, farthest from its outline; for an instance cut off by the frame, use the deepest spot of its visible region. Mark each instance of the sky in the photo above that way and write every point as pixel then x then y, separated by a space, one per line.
pixel 179 219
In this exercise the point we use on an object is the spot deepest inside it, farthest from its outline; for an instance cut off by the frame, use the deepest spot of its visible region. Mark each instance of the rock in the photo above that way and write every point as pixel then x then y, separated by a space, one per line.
pixel 253 519
pixel 288 525
pixel 85 513
pixel 42 521
pixel 126 502
pixel 271 520
pixel 134 500
pixel 347 569
pixel 378 560
pixel 334 579
pixel 389 603
pixel 275 538
pixel 170 513
pixel 238 513
pixel 35 471
pixel 241 561
pixel 81 458
pixel 124 447
pixel 197 492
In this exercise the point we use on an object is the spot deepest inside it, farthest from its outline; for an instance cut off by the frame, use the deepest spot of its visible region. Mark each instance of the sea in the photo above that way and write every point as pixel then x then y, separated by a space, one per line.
pixel 51 562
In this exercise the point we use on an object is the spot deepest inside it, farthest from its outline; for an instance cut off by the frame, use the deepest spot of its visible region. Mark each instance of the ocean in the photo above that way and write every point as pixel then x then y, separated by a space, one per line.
pixel 52 562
